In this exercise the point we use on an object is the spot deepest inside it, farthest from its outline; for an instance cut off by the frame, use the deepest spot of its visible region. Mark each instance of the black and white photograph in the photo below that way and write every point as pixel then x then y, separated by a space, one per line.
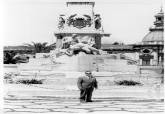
pixel 83 56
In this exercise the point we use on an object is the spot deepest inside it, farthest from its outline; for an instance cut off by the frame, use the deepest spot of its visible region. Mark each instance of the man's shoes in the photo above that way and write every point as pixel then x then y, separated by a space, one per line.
pixel 82 101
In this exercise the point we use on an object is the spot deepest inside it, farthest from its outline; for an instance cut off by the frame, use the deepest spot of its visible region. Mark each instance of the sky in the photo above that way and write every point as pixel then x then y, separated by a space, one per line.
pixel 127 21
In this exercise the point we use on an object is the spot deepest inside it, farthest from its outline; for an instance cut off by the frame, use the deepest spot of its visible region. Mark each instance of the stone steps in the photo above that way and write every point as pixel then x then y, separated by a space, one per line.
pixel 79 63
pixel 69 79
pixel 147 92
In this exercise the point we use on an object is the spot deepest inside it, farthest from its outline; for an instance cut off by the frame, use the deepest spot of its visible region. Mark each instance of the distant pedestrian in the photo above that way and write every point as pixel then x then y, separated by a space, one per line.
pixel 86 84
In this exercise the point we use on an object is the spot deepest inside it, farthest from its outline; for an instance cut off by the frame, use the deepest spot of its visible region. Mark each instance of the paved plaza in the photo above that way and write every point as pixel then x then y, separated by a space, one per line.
pixel 28 99
pixel 72 105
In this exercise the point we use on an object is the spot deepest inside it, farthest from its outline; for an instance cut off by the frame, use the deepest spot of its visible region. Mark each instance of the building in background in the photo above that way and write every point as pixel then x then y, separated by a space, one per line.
pixel 151 49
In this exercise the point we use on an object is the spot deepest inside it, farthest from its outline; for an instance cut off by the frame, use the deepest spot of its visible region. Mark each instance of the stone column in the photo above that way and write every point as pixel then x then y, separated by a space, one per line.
pixel 141 62
pixel 98 41
pixel 155 58
pixel 160 60
pixel 59 41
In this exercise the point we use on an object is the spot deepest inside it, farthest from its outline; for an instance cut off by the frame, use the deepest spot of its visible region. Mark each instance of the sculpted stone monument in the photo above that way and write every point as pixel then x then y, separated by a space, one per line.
pixel 78 48
pixel 78 44
pixel 78 37
pixel 79 30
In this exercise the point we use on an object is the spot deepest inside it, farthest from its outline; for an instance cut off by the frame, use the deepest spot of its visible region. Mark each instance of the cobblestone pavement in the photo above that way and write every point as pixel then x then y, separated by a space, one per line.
pixel 72 105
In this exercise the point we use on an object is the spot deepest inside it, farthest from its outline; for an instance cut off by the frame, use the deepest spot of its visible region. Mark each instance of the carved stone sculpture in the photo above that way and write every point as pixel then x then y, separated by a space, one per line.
pixel 61 22
pixel 97 22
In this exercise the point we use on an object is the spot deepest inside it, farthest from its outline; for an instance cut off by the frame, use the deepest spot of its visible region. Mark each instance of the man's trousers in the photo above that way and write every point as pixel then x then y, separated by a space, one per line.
pixel 86 94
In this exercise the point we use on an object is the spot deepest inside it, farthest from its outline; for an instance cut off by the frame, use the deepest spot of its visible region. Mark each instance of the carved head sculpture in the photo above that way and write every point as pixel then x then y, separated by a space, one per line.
pixel 61 21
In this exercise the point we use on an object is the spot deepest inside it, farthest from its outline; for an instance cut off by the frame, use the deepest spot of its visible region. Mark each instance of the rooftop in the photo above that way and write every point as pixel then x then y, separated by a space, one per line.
pixel 10 48
pixel 119 47
pixel 81 3
pixel 155 36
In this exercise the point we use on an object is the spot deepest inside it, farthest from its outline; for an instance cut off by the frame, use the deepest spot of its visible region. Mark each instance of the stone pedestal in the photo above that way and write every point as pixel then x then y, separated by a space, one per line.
pixel 98 41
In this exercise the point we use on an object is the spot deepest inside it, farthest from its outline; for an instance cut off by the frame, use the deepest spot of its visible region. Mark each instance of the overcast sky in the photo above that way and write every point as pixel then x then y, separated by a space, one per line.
pixel 36 20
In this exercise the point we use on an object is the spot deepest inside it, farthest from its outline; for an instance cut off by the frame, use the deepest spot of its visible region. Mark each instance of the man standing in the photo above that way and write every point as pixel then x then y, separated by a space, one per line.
pixel 86 84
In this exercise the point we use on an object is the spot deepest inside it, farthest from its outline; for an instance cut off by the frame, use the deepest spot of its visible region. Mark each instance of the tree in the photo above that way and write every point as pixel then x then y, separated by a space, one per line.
pixel 8 58
pixel 39 47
